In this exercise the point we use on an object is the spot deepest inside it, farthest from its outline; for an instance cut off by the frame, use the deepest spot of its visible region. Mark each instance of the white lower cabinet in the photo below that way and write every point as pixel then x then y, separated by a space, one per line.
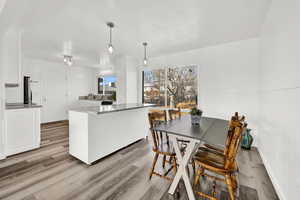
pixel 22 130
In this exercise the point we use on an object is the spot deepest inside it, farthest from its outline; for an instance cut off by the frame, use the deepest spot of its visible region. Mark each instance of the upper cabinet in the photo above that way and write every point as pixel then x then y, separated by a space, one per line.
pixel 12 56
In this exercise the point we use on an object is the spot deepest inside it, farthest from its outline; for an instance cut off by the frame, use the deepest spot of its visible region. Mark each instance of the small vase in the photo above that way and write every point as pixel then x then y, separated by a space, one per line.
pixel 247 140
pixel 195 119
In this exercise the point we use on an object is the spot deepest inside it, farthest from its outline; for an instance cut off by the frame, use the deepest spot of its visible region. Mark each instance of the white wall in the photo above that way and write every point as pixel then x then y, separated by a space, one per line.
pixel 64 83
pixel 12 58
pixel 2 4
pixel 279 136
pixel 80 83
pixel 121 71
pixel 2 100
pixel 131 80
pixel 2 91
pixel 228 78
pixel 127 76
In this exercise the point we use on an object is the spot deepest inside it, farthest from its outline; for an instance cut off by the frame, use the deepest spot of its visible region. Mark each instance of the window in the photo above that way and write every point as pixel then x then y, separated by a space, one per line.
pixel 174 87
pixel 107 86
pixel 154 86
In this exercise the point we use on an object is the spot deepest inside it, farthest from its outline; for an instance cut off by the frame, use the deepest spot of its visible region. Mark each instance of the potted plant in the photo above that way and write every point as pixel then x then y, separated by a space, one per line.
pixel 196 116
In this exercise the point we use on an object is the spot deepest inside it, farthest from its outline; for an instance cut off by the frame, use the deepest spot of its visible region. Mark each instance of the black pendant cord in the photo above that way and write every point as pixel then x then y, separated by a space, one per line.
pixel 110 36
pixel 145 50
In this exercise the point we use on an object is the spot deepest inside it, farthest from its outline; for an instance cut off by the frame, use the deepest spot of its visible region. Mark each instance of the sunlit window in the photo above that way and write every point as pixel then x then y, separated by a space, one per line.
pixel 173 87
pixel 154 87
pixel 107 86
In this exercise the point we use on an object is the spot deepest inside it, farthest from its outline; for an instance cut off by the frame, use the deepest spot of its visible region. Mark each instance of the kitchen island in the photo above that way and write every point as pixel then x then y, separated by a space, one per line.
pixel 97 131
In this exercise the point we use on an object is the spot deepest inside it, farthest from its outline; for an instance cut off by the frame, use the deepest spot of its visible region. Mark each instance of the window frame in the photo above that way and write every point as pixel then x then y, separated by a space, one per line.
pixel 166 82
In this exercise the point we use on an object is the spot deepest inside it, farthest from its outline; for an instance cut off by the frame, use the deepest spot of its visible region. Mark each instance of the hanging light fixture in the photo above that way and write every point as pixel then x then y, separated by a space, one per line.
pixel 67 53
pixel 145 53
pixel 68 60
pixel 110 46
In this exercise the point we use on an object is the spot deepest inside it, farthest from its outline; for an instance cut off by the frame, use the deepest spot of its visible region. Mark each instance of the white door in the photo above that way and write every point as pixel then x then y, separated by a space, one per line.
pixel 2 104
pixel 54 94
pixel 2 101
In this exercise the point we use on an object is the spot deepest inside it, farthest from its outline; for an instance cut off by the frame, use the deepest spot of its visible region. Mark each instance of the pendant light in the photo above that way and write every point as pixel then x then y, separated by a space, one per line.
pixel 110 46
pixel 68 60
pixel 67 53
pixel 145 53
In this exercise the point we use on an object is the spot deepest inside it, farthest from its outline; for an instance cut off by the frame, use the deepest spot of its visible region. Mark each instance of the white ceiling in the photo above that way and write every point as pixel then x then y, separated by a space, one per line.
pixel 167 25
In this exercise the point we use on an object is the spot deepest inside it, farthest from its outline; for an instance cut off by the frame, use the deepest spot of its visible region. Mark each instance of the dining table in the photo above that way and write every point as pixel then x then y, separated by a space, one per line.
pixel 209 131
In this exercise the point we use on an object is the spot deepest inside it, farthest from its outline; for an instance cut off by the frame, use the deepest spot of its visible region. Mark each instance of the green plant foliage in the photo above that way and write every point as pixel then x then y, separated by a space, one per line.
pixel 196 111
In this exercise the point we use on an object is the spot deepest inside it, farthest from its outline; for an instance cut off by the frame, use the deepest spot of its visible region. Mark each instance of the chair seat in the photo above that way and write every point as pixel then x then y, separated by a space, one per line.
pixel 214 148
pixel 216 160
pixel 205 149
pixel 212 161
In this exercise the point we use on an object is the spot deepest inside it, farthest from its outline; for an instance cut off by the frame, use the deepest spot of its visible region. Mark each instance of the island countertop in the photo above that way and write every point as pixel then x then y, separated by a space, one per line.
pixel 102 109
pixel 99 131
pixel 14 106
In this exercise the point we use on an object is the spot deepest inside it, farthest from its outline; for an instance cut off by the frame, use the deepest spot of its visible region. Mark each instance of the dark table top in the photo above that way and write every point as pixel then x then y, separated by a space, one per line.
pixel 210 130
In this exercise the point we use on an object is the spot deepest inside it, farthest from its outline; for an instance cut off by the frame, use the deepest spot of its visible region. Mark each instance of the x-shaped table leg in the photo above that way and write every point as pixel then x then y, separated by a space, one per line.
pixel 183 163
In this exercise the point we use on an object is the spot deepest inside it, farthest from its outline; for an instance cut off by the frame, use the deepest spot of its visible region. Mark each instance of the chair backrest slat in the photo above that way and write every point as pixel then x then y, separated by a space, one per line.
pixel 156 118
pixel 237 130
pixel 235 120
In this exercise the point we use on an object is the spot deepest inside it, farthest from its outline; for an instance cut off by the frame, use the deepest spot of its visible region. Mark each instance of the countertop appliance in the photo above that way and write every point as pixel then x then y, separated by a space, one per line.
pixel 27 90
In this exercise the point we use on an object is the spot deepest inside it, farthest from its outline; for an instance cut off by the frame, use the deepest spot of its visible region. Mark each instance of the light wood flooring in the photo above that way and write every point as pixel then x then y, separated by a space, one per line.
pixel 51 173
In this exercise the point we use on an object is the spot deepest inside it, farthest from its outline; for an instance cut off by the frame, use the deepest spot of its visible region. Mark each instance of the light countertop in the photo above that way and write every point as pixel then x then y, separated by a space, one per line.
pixel 111 108
pixel 13 106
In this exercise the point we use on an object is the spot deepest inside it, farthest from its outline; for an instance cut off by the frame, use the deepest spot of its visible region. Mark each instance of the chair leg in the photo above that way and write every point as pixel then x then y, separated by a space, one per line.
pixel 153 165
pixel 164 161
pixel 199 172
pixel 229 186
pixel 194 166
pixel 188 171
pixel 234 182
pixel 174 164
pixel 171 160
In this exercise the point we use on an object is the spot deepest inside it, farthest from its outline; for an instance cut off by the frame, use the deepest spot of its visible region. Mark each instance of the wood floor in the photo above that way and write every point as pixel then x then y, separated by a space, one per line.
pixel 50 173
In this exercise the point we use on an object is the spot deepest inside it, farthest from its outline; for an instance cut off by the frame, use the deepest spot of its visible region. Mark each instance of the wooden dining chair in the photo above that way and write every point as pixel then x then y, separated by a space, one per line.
pixel 174 113
pixel 225 165
pixel 217 154
pixel 161 146
pixel 215 149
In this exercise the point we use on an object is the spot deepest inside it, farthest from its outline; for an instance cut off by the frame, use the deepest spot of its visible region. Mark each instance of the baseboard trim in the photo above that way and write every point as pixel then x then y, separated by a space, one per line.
pixel 15 151
pixel 274 180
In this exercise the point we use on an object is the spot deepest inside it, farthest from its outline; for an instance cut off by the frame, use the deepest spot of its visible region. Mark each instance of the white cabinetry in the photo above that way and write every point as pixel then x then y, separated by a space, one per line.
pixel 22 130
pixel 12 56
pixel 93 136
